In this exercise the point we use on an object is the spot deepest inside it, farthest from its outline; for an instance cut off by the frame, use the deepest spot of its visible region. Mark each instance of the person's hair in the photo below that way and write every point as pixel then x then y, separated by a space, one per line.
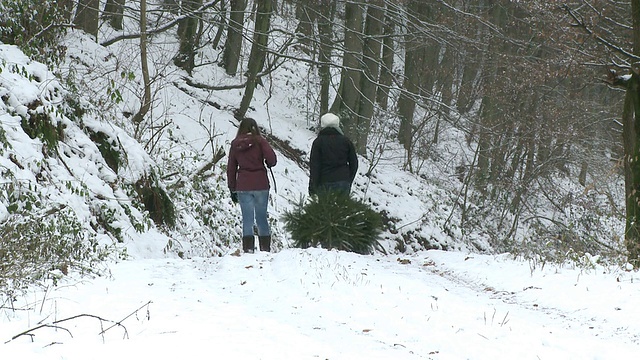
pixel 248 125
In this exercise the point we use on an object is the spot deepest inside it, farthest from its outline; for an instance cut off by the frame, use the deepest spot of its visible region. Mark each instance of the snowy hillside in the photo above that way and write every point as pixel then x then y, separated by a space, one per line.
pixel 55 178
pixel 192 125
pixel 158 188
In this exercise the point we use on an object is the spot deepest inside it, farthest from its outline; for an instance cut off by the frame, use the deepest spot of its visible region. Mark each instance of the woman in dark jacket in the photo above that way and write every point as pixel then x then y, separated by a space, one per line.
pixel 248 182
pixel 333 160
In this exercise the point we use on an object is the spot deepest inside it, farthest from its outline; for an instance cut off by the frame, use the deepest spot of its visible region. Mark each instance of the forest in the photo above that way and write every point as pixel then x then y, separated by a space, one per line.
pixel 540 93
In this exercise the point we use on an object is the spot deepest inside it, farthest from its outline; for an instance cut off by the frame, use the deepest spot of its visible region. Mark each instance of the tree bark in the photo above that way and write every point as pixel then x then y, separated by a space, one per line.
pixel 258 53
pixel 631 135
pixel 188 35
pixel 325 31
pixel 406 101
pixel 221 27
pixel 146 99
pixel 469 59
pixel 446 78
pixel 346 101
pixel 484 146
pixel 491 130
pixel 386 70
pixel 413 63
pixel 628 139
pixel 306 15
pixel 233 44
pixel 430 50
pixel 114 12
pixel 468 85
pixel 371 68
pixel 87 16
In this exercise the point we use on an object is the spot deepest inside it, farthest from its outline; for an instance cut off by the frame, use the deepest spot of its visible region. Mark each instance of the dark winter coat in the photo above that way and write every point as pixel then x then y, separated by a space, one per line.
pixel 246 169
pixel 333 158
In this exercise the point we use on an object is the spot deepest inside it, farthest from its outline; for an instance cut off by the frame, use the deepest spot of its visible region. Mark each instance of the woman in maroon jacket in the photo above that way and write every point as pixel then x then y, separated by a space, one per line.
pixel 248 182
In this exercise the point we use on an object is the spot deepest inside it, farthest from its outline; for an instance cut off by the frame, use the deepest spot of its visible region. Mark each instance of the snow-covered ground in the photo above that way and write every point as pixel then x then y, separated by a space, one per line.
pixel 317 304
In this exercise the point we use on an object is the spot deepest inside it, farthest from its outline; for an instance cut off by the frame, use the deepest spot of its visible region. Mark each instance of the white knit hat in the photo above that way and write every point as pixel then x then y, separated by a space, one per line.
pixel 330 120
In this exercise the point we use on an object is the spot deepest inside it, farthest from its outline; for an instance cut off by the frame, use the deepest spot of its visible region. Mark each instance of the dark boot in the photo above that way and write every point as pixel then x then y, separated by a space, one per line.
pixel 248 244
pixel 265 243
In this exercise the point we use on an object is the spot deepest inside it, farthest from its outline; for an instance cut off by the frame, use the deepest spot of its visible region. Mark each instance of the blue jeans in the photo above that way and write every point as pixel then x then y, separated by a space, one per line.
pixel 343 187
pixel 253 205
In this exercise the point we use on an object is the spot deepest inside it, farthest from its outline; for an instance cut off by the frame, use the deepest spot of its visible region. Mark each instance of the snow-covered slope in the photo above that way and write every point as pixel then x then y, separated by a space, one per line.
pixel 317 304
pixel 49 161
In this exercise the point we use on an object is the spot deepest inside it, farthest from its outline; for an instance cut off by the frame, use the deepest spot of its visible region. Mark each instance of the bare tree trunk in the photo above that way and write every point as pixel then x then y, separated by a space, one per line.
pixel 258 53
pixel 325 30
pixel 346 100
pixel 406 101
pixel 114 12
pixel 87 16
pixel 492 122
pixel 484 146
pixel 631 137
pixel 371 68
pixel 306 15
pixel 468 84
pixel 468 60
pixel 629 140
pixel 221 27
pixel 446 78
pixel 233 44
pixel 633 202
pixel 411 79
pixel 146 99
pixel 188 34
pixel 631 134
pixel 386 70
pixel 430 50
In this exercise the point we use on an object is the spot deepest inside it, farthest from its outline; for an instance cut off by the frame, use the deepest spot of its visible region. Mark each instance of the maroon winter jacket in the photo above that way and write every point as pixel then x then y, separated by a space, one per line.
pixel 246 169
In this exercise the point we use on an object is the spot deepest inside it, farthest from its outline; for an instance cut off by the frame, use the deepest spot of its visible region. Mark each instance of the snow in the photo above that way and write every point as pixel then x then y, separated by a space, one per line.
pixel 318 304
pixel 293 303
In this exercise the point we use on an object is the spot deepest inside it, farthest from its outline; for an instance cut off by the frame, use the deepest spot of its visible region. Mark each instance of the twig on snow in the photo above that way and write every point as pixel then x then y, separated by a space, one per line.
pixel 56 324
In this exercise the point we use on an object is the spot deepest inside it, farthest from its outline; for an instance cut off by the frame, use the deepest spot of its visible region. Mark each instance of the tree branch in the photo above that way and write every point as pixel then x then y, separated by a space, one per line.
pixel 119 323
pixel 165 27
pixel 56 323
pixel 598 38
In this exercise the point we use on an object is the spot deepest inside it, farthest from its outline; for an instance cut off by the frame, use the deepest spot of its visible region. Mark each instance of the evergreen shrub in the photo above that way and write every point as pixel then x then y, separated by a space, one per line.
pixel 334 221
